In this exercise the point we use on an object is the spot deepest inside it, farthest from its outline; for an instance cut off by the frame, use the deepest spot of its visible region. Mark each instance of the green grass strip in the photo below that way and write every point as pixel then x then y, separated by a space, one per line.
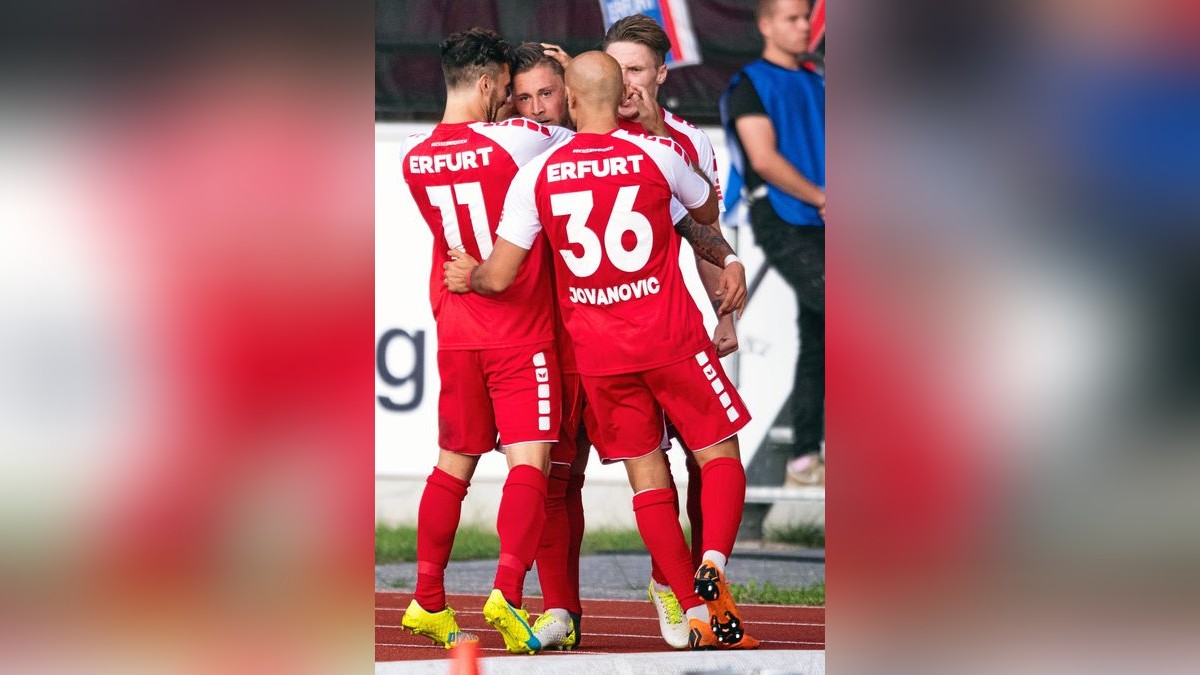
pixel 399 544
pixel 808 535
pixel 753 593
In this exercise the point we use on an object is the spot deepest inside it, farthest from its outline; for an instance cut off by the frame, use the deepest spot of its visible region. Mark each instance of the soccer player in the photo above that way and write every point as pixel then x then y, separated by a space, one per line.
pixel 539 94
pixel 640 46
pixel 604 199
pixel 496 355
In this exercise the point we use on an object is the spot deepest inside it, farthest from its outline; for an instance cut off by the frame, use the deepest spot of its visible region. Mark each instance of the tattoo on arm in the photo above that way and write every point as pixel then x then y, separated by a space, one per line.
pixel 706 240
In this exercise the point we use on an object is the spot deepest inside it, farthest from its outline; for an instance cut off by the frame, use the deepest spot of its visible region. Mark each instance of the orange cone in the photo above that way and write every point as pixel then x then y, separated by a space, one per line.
pixel 465 658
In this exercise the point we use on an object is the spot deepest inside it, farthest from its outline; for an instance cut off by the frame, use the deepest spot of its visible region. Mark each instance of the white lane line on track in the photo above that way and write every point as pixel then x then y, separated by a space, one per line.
pixel 631 619
pixel 442 649
pixel 655 638
pixel 502 650
pixel 638 618
pixel 589 601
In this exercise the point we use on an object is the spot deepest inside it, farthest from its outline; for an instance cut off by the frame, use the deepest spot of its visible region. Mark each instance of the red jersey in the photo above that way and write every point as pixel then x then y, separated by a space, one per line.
pixel 694 142
pixel 458 175
pixel 604 202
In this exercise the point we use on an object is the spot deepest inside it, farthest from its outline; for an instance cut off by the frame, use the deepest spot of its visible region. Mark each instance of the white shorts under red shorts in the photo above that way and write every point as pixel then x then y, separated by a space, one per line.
pixel 513 391
pixel 576 413
pixel 694 392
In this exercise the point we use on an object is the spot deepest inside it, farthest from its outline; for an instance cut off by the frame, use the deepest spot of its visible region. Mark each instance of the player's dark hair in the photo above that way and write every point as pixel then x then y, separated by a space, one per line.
pixel 642 30
pixel 529 55
pixel 468 54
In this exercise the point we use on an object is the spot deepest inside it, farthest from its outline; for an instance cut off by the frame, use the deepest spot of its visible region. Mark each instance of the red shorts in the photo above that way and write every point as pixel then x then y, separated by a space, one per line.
pixel 512 391
pixel 576 414
pixel 695 393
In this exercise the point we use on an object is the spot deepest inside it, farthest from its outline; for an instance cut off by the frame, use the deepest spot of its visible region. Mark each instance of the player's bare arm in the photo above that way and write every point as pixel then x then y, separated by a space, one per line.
pixel 708 212
pixel 496 273
pixel 757 136
pixel 724 336
pixel 709 245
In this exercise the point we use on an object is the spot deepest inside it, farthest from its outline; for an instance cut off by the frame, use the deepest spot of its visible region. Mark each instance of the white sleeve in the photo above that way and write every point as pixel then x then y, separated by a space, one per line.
pixel 523 139
pixel 519 222
pixel 559 134
pixel 677 211
pixel 706 157
pixel 411 142
pixel 708 164
pixel 688 187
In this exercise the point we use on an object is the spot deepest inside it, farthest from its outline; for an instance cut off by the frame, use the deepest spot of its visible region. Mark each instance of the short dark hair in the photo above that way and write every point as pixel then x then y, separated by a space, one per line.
pixel 763 8
pixel 529 55
pixel 642 30
pixel 468 54
pixel 767 7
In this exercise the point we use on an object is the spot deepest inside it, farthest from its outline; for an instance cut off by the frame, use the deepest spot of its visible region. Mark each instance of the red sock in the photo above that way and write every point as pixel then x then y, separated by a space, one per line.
pixel 658 523
pixel 437 521
pixel 519 524
pixel 695 511
pixel 576 519
pixel 656 572
pixel 723 496
pixel 554 547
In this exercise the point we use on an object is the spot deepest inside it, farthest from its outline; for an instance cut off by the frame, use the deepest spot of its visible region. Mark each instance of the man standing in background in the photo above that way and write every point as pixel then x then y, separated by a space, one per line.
pixel 774 109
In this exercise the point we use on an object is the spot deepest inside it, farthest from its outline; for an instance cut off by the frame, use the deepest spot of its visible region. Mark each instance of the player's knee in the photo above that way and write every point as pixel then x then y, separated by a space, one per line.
pixel 648 472
pixel 532 454
pixel 726 448
pixel 458 465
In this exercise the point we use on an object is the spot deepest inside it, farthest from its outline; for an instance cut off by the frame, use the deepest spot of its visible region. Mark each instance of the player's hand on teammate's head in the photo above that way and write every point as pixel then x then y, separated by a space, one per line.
pixel 457 272
pixel 731 289
pixel 557 53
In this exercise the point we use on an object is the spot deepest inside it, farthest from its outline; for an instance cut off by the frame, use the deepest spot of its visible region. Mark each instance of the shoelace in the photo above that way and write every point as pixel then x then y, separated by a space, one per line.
pixel 545 619
pixel 674 611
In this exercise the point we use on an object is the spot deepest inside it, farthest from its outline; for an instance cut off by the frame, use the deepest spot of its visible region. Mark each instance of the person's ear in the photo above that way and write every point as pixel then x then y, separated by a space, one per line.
pixel 662 74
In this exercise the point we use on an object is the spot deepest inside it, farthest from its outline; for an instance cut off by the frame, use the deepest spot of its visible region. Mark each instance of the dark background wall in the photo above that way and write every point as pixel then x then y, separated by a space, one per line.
pixel 408 79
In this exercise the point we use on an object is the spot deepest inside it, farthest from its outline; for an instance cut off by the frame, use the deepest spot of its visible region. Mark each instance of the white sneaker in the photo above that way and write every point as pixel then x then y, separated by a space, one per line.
pixel 671 622
pixel 553 633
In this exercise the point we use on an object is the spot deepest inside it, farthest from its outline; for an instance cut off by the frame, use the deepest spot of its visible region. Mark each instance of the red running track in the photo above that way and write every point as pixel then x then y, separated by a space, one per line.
pixel 609 627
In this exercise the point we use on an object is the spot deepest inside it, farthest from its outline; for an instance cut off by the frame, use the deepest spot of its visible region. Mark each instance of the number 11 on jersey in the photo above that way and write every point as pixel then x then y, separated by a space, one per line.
pixel 445 197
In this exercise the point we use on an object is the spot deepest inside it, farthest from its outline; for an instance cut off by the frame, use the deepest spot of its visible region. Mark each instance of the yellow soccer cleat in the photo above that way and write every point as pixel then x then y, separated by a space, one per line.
pixel 513 624
pixel 437 626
